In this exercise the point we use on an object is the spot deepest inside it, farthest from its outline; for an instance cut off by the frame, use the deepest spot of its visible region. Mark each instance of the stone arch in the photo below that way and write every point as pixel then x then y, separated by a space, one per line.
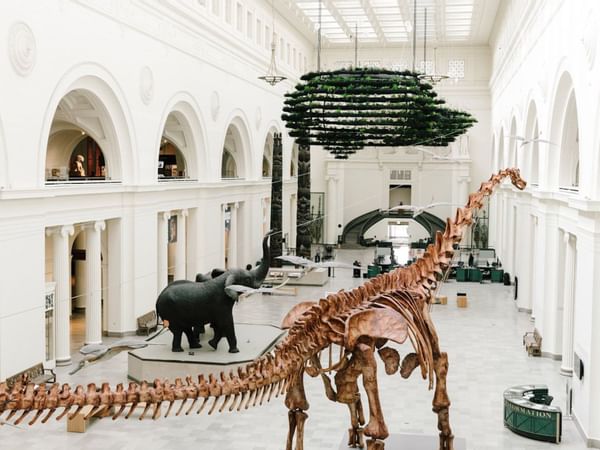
pixel 531 147
pixel 267 155
pixel 182 126
pixel 237 144
pixel 88 99
pixel 563 152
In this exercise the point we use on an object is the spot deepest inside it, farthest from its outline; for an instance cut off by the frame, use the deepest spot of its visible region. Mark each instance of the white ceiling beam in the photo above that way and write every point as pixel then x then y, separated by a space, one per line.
pixel 366 4
pixel 338 17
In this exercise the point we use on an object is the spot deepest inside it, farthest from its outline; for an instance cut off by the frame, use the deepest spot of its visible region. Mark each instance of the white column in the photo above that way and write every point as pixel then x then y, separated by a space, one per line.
pixel 62 299
pixel 566 366
pixel 180 257
pixel 331 212
pixel 163 250
pixel 233 236
pixel 93 303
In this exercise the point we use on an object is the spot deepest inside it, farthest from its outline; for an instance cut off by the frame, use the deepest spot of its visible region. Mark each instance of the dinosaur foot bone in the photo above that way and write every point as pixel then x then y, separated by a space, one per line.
pixel 446 442
pixel 373 444
pixel 355 438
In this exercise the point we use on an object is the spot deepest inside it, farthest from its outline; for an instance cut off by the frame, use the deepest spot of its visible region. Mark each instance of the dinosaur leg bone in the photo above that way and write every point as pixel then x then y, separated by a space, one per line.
pixel 376 428
pixel 296 402
pixel 348 393
pixel 441 402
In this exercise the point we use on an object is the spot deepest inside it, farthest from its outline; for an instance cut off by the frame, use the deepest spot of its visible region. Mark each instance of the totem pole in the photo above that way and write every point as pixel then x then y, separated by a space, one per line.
pixel 276 201
pixel 303 216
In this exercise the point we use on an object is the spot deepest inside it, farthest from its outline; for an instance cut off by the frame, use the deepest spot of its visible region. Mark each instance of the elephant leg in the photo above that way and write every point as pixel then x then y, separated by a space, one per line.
pixel 176 347
pixel 376 428
pixel 229 332
pixel 441 401
pixel 193 341
pixel 214 342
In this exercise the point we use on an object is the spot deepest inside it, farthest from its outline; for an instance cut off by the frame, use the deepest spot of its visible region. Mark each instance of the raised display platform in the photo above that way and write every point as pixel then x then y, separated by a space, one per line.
pixel 158 361
pixel 297 277
pixel 411 442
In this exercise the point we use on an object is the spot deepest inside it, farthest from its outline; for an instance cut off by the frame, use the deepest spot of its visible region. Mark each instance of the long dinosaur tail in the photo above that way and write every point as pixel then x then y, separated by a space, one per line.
pixel 270 374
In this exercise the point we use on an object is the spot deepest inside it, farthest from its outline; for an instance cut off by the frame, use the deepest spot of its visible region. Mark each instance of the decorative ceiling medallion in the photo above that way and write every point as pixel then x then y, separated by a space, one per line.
pixel 215 105
pixel 146 85
pixel 258 117
pixel 21 48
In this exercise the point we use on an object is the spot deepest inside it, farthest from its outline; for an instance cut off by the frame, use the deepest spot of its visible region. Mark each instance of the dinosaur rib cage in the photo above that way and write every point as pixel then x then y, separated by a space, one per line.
pixel 407 291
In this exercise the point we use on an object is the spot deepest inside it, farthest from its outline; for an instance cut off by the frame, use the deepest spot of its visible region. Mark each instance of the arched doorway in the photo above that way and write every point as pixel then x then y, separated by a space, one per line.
pixel 171 162
pixel 178 145
pixel 531 146
pixel 82 145
pixel 568 175
pixel 235 157
pixel 228 165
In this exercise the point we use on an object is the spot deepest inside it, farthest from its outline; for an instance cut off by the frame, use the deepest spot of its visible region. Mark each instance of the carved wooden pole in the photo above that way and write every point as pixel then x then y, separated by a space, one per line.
pixel 303 237
pixel 275 244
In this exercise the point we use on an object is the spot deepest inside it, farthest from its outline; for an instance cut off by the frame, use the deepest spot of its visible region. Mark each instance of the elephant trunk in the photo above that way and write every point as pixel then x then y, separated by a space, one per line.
pixel 260 273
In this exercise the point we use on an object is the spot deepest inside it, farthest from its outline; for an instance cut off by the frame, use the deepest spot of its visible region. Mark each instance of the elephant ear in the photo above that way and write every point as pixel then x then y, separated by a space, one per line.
pixel 229 281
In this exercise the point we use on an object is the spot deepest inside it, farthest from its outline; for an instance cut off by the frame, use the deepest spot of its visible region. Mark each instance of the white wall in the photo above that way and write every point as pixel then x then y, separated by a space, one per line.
pixel 544 52
pixel 136 63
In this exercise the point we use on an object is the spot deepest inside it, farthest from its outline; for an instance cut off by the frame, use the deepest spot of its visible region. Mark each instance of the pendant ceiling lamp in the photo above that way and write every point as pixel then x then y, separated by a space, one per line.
pixel 271 76
pixel 432 77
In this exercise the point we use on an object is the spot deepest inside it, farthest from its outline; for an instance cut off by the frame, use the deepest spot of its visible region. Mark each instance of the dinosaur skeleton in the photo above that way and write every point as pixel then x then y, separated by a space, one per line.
pixel 391 307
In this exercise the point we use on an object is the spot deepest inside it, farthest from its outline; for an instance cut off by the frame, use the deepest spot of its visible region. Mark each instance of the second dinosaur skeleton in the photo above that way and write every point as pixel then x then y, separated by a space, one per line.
pixel 391 307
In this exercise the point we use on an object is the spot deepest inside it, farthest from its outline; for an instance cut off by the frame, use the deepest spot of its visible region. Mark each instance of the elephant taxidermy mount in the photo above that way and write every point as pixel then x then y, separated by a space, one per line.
pixel 186 306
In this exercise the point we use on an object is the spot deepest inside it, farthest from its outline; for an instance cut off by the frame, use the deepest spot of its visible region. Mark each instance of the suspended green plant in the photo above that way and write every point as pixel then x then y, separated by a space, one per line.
pixel 349 109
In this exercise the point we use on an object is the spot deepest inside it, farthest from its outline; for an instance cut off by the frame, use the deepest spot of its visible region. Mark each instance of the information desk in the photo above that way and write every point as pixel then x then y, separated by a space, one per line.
pixel 527 412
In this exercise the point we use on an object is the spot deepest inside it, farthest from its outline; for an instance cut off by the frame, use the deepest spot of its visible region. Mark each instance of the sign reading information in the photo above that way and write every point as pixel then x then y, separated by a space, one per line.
pixel 527 412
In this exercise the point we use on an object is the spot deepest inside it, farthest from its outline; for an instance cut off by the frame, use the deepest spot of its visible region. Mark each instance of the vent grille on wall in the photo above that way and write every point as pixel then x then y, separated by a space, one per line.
pixel 396 174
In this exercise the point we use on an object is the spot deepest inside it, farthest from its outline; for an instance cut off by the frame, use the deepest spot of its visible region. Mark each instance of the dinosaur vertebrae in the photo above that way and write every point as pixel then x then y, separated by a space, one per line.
pixel 407 291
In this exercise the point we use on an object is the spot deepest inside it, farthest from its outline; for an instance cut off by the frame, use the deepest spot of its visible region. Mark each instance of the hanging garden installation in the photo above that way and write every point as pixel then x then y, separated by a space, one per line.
pixel 348 109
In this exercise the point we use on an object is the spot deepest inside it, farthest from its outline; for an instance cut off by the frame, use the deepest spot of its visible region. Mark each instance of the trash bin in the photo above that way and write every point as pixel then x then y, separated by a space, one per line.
pixel 356 271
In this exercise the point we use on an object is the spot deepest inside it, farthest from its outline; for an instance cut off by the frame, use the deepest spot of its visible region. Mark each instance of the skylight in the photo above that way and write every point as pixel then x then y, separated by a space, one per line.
pixel 390 21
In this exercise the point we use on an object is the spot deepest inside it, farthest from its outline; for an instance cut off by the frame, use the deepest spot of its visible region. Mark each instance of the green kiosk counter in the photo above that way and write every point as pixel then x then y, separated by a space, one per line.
pixel 527 411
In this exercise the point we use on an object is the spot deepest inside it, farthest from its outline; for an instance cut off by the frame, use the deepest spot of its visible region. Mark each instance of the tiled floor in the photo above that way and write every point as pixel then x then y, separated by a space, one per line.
pixel 486 356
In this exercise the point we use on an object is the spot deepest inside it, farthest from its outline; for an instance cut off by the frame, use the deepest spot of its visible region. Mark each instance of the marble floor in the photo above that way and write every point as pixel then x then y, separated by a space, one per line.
pixel 486 356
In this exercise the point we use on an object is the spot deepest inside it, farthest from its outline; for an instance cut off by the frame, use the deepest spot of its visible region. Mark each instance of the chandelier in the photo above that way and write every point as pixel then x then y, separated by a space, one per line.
pixel 433 77
pixel 271 76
